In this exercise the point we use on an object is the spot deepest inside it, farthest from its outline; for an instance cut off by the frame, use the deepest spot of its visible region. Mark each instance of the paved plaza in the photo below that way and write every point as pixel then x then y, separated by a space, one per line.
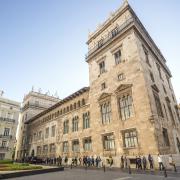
pixel 82 174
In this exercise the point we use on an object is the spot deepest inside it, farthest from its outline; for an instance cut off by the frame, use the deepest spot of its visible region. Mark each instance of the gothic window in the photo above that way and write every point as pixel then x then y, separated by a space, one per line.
pixel 158 105
pixel 74 105
pixel 65 147
pixel 83 102
pixel 152 77
pixel 159 70
pixel 106 112
pixel 66 127
pixel 87 144
pixel 109 142
pixel 114 32
pixel 117 57
pixel 52 148
pixel 170 110
pixel 130 138
pixel 126 106
pixel 75 146
pixel 146 56
pixel 101 67
pixel 165 137
pixel 6 131
pixel 53 131
pixel 47 133
pixel 75 124
pixel 79 104
pixel 71 107
pixel 86 120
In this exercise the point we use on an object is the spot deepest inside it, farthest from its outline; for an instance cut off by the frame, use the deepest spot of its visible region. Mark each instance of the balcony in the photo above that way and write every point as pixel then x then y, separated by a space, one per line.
pixel 6 136
pixel 110 37
pixel 2 148
pixel 7 120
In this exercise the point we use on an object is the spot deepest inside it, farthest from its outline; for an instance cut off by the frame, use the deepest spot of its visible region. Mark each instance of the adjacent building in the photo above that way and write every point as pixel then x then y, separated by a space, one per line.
pixel 9 114
pixel 129 107
pixel 33 104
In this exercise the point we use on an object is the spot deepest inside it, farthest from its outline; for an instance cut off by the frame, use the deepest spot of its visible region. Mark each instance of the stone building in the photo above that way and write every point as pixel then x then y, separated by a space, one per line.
pixel 128 109
pixel 9 113
pixel 33 104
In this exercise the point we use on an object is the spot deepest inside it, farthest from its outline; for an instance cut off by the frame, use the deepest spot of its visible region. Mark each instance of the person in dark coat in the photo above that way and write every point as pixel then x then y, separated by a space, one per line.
pixel 122 162
pixel 150 159
pixel 144 163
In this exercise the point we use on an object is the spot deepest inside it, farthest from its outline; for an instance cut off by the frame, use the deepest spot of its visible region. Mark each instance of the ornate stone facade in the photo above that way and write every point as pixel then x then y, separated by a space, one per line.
pixel 130 107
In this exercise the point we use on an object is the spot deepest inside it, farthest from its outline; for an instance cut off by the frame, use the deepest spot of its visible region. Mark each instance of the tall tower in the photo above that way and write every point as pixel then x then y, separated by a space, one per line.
pixel 33 104
pixel 132 102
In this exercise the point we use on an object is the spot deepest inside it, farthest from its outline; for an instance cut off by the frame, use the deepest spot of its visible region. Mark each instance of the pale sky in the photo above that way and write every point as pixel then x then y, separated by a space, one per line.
pixel 43 42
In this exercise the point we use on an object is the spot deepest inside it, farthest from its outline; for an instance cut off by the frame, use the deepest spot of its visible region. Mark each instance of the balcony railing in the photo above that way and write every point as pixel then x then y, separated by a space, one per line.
pixel 110 37
pixel 2 148
pixel 7 119
pixel 6 136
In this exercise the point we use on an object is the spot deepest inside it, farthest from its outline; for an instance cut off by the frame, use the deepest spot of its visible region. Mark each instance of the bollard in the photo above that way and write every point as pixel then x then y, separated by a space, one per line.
pixel 165 172
pixel 104 168
pixel 130 170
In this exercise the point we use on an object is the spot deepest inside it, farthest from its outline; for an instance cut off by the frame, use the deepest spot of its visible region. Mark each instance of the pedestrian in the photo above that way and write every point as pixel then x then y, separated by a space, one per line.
pixel 161 166
pixel 144 162
pixel 92 161
pixel 80 161
pixel 139 162
pixel 122 162
pixel 136 162
pixel 110 161
pixel 125 162
pixel 150 159
pixel 172 163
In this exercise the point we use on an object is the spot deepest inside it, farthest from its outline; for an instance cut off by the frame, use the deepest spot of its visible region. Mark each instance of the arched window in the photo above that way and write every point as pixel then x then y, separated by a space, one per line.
pixel 74 105
pixel 83 102
pixel 71 107
pixel 79 103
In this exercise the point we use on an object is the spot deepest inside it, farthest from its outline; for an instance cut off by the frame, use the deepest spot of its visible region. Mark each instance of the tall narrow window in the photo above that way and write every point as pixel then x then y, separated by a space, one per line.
pixel 146 56
pixel 126 106
pixel 178 144
pixel 52 148
pixel 152 77
pixel 87 144
pixel 6 131
pixel 114 32
pixel 75 146
pixel 159 70
pixel 65 147
pixel 177 112
pixel 117 57
pixel 45 149
pixel 170 111
pixel 101 67
pixel 158 105
pixel 47 133
pixel 66 127
pixel 168 81
pixel 75 124
pixel 106 112
pixel 108 142
pixel 53 131
pixel 165 137
pixel 130 138
pixel 86 120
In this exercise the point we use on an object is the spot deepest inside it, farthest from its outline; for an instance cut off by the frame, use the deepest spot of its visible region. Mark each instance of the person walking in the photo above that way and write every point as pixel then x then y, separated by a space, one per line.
pixel 80 161
pixel 144 162
pixel 110 161
pixel 160 162
pixel 136 162
pixel 122 162
pixel 172 163
pixel 139 163
pixel 150 159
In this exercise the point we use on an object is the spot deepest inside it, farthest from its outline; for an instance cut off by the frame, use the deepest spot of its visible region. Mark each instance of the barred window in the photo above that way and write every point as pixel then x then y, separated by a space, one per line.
pixel 117 57
pixel 75 124
pixel 75 146
pixel 126 106
pixel 106 112
pixel 108 142
pixel 66 127
pixel 65 146
pixel 87 144
pixel 158 105
pixel 86 120
pixel 130 138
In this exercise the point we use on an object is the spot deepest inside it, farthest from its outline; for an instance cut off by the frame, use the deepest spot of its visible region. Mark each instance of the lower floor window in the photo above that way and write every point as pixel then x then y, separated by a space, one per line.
pixel 130 138
pixel 108 142
pixel 38 150
pixel 75 146
pixel 65 146
pixel 87 144
pixel 52 148
pixel 45 149
pixel 2 156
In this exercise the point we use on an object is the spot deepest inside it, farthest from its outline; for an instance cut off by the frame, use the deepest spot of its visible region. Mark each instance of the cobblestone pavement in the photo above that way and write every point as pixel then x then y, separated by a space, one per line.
pixel 82 174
